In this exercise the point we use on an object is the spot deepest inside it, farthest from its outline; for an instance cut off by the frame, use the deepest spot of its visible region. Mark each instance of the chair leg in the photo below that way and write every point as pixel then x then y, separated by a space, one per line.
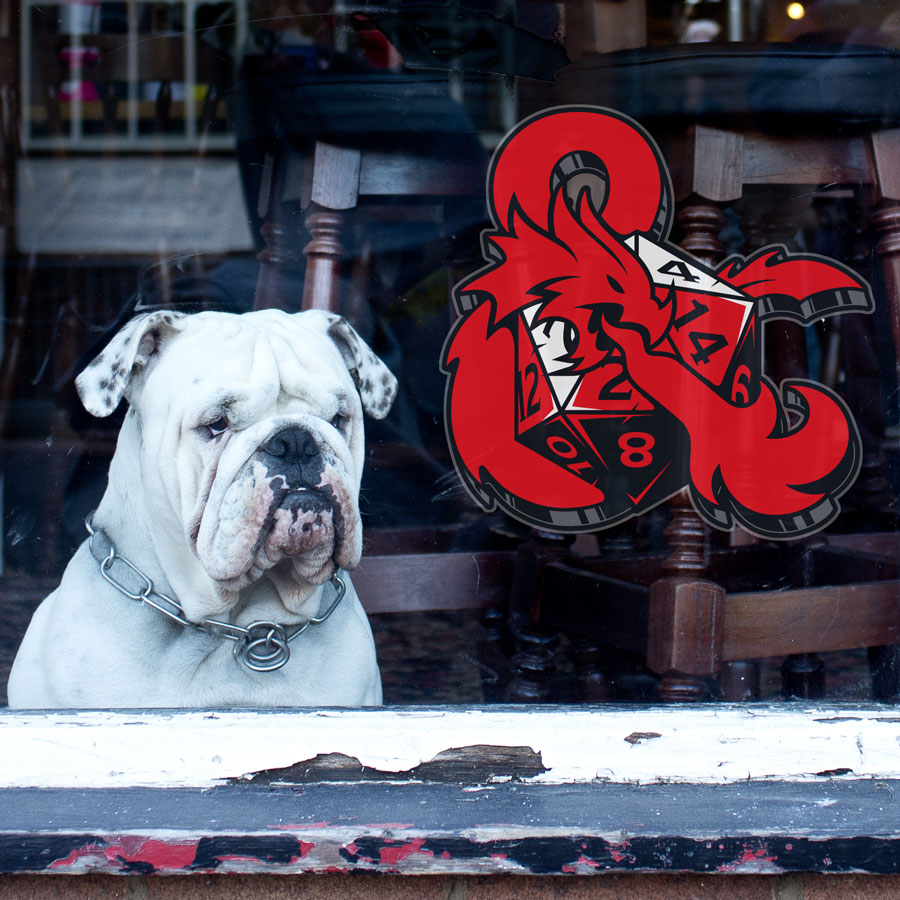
pixel 323 260
pixel 591 684
pixel 884 664
pixel 494 653
pixel 685 634
pixel 280 264
pixel 686 611
pixel 803 677
pixel 533 667
pixel 739 681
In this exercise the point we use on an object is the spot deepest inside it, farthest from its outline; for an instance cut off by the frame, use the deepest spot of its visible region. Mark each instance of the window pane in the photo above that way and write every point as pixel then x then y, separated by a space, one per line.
pixel 649 453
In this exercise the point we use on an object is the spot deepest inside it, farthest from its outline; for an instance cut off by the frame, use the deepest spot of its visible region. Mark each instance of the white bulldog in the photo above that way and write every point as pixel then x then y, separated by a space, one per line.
pixel 233 491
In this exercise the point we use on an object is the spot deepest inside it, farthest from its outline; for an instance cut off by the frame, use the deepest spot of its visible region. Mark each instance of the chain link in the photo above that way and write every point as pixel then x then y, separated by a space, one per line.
pixel 262 646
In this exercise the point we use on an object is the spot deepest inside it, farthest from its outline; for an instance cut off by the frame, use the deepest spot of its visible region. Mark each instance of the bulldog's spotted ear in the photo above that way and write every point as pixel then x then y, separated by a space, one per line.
pixel 374 380
pixel 104 382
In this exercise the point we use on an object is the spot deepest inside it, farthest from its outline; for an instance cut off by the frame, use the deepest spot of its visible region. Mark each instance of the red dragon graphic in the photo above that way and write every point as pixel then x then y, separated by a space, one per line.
pixel 597 369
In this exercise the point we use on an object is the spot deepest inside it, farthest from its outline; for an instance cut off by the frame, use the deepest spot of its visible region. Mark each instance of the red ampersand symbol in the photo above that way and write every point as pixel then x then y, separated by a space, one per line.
pixel 596 368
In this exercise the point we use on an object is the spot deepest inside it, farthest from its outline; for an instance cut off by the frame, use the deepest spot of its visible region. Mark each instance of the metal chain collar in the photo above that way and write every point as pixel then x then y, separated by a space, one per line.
pixel 262 646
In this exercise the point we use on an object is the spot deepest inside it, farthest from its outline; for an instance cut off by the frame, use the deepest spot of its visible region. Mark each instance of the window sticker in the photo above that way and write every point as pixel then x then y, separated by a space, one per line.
pixel 597 369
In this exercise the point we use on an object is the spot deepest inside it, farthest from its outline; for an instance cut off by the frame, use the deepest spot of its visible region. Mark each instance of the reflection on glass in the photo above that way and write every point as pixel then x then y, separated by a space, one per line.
pixel 242 156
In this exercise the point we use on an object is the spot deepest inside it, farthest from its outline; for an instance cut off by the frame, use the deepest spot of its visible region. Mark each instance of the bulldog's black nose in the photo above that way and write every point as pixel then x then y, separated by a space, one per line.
pixel 294 453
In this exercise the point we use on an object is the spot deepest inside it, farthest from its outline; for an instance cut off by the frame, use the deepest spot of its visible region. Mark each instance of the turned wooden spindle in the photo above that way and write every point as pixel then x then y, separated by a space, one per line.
pixel 803 677
pixel 687 538
pixel 591 683
pixel 739 681
pixel 886 222
pixel 323 260
pixel 533 666
pixel 686 611
pixel 701 223
pixel 493 653
pixel 884 665
pixel 803 674
pixel 885 661
pixel 333 192
pixel 280 269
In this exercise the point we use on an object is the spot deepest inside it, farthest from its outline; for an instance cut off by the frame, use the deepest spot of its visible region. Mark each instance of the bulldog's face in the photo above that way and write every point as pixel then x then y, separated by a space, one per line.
pixel 251 435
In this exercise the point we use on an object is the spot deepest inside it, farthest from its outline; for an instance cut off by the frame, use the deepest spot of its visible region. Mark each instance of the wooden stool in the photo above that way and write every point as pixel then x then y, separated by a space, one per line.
pixel 696 616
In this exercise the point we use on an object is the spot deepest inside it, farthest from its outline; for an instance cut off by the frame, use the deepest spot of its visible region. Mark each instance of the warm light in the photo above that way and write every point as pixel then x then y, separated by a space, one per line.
pixel 796 11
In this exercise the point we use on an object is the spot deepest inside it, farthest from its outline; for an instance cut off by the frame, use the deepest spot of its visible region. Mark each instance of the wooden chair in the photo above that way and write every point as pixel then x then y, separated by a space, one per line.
pixel 330 161
pixel 724 120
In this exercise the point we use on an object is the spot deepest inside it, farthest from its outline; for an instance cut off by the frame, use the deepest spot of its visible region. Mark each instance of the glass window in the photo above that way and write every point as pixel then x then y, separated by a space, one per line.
pixel 292 155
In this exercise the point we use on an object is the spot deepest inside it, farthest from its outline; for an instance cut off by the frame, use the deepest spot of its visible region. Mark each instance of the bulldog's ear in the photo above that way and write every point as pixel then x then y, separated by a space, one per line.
pixel 374 380
pixel 104 382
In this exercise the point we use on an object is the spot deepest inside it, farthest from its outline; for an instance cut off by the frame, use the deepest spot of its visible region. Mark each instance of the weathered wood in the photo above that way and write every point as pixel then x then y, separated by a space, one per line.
pixel 481 764
pixel 831 825
pixel 335 176
pixel 807 160
pixel 417 582
pixel 687 625
pixel 384 174
pixel 886 223
pixel 811 620
pixel 689 789
pixel 324 252
pixel 715 744
pixel 886 153
pixel 707 162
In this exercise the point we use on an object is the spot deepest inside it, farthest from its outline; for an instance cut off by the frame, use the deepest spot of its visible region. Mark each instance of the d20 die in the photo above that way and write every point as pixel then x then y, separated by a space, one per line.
pixel 595 424
pixel 714 329
pixel 628 457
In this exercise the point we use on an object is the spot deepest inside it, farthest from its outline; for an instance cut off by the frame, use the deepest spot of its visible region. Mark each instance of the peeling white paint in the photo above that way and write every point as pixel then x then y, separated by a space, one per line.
pixel 704 744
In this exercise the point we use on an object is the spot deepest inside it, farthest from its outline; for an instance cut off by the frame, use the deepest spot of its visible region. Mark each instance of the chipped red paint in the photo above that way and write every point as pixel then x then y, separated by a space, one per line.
pixel 129 850
pixel 393 853
pixel 292 826
pixel 751 857
pixel 305 847
pixel 241 858
pixel 758 854
pixel 583 862
pixel 167 855
pixel 458 848
pixel 89 850
pixel 542 855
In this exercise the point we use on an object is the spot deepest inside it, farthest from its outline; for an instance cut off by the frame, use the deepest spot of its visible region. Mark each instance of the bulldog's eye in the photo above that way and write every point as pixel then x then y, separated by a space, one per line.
pixel 340 422
pixel 220 426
